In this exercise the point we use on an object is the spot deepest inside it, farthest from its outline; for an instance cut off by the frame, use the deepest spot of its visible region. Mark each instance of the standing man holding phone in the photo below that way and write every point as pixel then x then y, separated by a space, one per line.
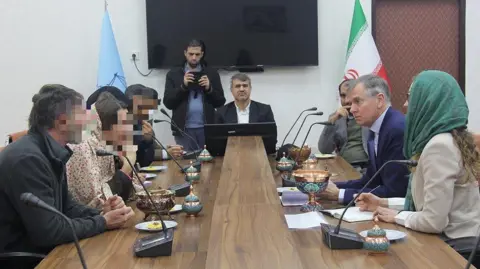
pixel 345 136
pixel 192 92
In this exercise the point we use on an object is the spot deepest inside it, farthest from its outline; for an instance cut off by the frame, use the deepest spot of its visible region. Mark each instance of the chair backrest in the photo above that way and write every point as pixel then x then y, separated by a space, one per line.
pixel 15 136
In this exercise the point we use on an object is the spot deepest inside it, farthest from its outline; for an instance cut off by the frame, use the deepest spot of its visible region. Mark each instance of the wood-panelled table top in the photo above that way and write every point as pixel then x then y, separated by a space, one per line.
pixel 242 226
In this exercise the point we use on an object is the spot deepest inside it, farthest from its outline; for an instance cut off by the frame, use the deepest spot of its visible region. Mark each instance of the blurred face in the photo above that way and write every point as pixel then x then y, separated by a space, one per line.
pixel 366 109
pixel 142 105
pixel 343 94
pixel 241 90
pixel 121 133
pixel 70 125
pixel 193 55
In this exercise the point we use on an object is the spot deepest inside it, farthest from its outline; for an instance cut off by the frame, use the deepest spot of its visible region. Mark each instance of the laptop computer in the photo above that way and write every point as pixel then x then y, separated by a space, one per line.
pixel 216 135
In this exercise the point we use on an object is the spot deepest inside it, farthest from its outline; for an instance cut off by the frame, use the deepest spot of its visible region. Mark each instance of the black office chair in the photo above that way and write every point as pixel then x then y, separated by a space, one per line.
pixel 20 260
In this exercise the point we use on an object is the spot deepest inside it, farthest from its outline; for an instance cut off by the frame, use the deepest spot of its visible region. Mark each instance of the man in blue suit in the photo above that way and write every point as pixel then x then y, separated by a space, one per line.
pixel 371 107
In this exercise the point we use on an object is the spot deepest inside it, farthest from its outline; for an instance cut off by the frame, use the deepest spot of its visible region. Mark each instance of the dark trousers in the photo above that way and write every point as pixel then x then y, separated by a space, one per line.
pixel 186 142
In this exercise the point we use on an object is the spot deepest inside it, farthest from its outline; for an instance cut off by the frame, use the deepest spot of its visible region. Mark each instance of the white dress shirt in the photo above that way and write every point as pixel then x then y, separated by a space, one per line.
pixel 376 129
pixel 243 116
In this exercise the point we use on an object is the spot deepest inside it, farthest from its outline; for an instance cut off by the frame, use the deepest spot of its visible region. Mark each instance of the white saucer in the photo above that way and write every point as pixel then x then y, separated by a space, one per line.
pixel 150 176
pixel 176 208
pixel 144 225
pixel 153 168
pixel 282 189
pixel 324 156
pixel 392 235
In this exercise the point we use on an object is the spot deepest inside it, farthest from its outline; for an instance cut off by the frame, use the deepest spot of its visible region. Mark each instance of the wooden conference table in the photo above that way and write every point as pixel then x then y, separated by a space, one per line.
pixel 242 225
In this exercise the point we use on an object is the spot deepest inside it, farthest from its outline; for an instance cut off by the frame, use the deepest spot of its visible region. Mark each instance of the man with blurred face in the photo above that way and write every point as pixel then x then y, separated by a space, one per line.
pixel 245 110
pixel 369 96
pixel 192 92
pixel 345 136
pixel 36 164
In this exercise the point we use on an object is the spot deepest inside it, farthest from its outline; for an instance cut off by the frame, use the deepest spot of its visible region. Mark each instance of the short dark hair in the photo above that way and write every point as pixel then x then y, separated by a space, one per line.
pixel 348 81
pixel 111 89
pixel 49 103
pixel 201 44
pixel 139 89
pixel 107 109
pixel 242 77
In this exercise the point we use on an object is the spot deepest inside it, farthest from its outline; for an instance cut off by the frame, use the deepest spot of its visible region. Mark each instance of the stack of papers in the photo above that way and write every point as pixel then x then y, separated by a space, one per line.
pixel 353 214
pixel 305 220
pixel 293 198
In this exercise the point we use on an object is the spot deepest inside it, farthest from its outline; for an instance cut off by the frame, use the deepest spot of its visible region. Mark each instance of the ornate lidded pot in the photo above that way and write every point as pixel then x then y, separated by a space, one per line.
pixel 284 165
pixel 311 182
pixel 205 155
pixel 376 241
pixel 163 199
pixel 192 175
pixel 192 206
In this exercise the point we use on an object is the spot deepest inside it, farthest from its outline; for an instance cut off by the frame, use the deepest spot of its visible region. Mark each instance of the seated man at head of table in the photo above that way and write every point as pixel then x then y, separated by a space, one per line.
pixel 36 164
pixel 370 99
pixel 345 135
pixel 245 110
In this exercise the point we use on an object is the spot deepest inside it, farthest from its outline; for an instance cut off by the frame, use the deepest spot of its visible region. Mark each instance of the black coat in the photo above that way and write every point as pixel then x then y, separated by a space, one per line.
pixel 258 113
pixel 176 96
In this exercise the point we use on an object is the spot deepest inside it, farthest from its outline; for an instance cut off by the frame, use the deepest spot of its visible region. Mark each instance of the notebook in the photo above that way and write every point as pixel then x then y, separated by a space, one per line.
pixel 353 214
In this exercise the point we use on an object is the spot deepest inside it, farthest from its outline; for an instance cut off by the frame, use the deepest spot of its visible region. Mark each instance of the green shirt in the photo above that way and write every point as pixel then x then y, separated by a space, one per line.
pixel 353 150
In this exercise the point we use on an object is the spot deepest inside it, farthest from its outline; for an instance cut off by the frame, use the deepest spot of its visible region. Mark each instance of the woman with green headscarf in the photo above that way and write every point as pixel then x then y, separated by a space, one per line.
pixel 443 195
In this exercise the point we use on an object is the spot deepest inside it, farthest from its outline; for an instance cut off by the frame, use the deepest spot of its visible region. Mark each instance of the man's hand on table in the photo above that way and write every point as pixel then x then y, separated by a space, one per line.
pixel 112 203
pixel 117 218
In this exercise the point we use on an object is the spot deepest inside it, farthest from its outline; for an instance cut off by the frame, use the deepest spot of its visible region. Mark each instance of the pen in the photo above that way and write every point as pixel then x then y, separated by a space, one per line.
pixel 374 189
pixel 357 194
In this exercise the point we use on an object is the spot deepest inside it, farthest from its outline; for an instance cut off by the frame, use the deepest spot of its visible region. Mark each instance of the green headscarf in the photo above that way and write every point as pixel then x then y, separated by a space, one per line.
pixel 436 105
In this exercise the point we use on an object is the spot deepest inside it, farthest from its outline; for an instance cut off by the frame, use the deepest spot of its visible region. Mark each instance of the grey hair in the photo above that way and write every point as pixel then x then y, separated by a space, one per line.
pixel 242 77
pixel 373 85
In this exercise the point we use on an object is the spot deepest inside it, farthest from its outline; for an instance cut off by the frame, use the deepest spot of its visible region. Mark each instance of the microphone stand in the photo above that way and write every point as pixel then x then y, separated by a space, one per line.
pixel 197 164
pixel 303 122
pixel 349 239
pixel 306 136
pixel 32 200
pixel 172 122
pixel 474 251
pixel 295 122
pixel 195 152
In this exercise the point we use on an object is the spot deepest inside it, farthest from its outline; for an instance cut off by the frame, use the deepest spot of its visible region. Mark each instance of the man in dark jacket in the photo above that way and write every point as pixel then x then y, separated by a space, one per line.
pixel 36 164
pixel 245 110
pixel 192 92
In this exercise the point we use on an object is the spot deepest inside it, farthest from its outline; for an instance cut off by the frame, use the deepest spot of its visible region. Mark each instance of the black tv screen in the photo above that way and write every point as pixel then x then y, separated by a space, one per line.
pixel 235 33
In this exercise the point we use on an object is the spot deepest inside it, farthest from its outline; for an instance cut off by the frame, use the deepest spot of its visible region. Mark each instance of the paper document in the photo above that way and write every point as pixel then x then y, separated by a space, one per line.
pixel 353 214
pixel 293 198
pixel 305 220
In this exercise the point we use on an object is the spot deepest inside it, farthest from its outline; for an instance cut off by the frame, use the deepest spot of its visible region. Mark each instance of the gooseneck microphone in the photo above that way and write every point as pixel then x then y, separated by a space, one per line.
pixel 165 243
pixel 195 152
pixel 320 113
pixel 337 238
pixel 473 253
pixel 308 132
pixel 31 200
pixel 295 122
pixel 172 122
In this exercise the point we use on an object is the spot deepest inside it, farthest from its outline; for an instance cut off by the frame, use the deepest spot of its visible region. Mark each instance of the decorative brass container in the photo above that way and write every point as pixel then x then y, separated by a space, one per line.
pixel 192 206
pixel 376 241
pixel 311 182
pixel 192 175
pixel 284 165
pixel 205 155
pixel 300 155
pixel 163 199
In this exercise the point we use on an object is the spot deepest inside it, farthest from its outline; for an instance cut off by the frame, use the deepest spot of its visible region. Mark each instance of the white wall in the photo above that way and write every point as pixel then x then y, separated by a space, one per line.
pixel 57 41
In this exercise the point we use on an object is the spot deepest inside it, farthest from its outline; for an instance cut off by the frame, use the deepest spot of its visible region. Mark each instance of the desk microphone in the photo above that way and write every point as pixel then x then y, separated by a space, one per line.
pixel 195 152
pixel 295 122
pixel 320 113
pixel 158 245
pixel 338 238
pixel 172 122
pixel 31 200
pixel 308 132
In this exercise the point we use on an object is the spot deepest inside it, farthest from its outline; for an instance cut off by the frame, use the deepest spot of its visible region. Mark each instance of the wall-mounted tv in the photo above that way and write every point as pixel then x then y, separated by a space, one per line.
pixel 242 33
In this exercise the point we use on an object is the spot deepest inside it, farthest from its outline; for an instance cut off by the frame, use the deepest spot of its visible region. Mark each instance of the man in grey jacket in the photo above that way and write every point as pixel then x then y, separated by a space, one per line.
pixel 345 136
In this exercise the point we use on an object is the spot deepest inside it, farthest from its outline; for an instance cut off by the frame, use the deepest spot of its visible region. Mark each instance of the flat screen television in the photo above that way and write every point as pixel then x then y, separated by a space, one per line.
pixel 242 33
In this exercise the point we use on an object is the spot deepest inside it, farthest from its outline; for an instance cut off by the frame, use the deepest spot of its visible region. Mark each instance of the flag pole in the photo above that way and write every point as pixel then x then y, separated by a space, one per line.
pixel 106 4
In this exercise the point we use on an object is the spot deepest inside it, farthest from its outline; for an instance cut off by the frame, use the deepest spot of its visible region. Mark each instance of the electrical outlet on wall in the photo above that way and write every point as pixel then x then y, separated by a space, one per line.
pixel 137 55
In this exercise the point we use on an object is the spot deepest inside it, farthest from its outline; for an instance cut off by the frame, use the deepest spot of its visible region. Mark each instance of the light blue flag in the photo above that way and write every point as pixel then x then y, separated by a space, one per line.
pixel 110 71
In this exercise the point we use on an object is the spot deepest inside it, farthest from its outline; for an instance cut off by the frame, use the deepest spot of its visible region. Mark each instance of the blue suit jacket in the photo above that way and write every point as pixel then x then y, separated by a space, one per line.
pixel 393 180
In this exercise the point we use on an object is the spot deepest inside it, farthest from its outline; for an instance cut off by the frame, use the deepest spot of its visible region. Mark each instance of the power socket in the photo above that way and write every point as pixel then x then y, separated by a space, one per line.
pixel 135 55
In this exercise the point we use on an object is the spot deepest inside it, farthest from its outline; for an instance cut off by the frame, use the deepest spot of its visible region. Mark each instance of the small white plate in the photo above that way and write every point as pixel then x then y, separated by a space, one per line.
pixel 154 168
pixel 282 189
pixel 149 176
pixel 392 235
pixel 176 208
pixel 143 226
pixel 324 156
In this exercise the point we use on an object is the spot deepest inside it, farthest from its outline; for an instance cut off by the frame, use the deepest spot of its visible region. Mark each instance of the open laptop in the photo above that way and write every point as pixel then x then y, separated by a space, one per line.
pixel 216 135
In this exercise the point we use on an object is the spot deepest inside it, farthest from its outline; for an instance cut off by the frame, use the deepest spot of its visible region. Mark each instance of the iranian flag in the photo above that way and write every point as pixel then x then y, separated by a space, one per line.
pixel 362 53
